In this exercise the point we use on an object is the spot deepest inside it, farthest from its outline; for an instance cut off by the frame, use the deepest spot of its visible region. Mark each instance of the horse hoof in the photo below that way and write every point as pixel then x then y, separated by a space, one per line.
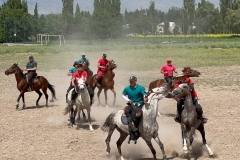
pixel 76 127
pixel 17 106
pixel 51 100
pixel 212 155
pixel 24 106
pixel 107 154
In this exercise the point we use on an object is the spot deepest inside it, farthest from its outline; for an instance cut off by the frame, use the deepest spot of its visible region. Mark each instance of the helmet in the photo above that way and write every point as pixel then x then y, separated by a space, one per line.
pixel 169 60
pixel 75 63
pixel 132 78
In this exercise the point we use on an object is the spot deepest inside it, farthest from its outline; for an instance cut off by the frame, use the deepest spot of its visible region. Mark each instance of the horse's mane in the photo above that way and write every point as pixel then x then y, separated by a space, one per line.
pixel 186 68
pixel 20 71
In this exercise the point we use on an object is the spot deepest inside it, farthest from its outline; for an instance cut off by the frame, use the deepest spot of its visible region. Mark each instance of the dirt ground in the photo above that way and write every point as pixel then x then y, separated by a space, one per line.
pixel 42 132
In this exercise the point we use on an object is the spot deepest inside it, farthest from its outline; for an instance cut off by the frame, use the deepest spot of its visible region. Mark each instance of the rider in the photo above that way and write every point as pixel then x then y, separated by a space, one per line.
pixel 180 102
pixel 70 73
pixel 31 67
pixel 167 70
pixel 102 63
pixel 83 58
pixel 78 74
pixel 134 94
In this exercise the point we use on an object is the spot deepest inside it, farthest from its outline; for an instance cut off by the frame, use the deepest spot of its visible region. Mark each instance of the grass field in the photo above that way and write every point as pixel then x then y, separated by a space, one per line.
pixel 145 58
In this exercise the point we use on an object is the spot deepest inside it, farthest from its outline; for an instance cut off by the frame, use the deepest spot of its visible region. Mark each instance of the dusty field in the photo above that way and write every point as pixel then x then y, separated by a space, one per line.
pixel 42 132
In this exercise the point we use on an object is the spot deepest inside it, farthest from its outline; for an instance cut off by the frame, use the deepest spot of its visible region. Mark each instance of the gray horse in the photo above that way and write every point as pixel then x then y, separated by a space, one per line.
pixel 148 126
pixel 189 119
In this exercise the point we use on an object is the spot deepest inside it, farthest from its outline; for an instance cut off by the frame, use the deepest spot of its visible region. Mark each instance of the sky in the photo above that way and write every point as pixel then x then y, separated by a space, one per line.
pixel 55 6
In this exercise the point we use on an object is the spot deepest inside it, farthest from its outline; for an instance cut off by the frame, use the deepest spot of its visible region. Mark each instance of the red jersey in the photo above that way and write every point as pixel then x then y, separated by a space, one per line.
pixel 194 93
pixel 80 75
pixel 103 62
pixel 169 69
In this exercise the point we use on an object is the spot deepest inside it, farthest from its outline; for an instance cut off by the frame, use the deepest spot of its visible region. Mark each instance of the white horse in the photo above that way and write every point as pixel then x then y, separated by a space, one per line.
pixel 82 101
pixel 148 126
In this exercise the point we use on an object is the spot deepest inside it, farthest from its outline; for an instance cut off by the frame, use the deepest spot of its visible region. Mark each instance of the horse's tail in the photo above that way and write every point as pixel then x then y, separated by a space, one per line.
pixel 51 88
pixel 107 123
pixel 67 109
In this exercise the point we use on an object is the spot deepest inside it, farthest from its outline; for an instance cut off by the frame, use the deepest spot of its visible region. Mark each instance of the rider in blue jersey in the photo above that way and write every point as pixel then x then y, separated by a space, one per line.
pixel 134 94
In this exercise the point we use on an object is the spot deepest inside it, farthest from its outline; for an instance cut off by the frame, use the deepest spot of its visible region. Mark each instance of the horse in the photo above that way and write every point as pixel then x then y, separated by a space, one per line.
pixel 189 120
pixel 187 71
pixel 39 83
pixel 81 102
pixel 107 82
pixel 148 126
pixel 89 72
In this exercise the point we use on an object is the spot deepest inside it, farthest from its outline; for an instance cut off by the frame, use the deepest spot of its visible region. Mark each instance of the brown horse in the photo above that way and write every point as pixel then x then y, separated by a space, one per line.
pixel 107 82
pixel 39 83
pixel 89 72
pixel 187 71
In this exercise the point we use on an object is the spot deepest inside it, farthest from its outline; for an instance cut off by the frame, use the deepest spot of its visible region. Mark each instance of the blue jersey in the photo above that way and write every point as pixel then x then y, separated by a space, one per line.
pixel 31 65
pixel 135 94
pixel 82 60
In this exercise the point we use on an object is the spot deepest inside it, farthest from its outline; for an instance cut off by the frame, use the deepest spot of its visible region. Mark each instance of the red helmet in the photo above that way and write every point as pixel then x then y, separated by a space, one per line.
pixel 169 60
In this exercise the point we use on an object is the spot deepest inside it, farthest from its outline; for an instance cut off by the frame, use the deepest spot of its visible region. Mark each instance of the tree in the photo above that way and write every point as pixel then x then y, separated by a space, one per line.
pixel 188 13
pixel 67 13
pixel 152 16
pixel 36 11
pixel 207 17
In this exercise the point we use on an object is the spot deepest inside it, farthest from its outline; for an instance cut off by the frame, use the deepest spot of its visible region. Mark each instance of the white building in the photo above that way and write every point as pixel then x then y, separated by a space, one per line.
pixel 160 27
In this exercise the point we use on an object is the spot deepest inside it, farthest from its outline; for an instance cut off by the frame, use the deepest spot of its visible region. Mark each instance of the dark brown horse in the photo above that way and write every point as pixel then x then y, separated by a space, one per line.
pixel 39 83
pixel 187 71
pixel 189 119
pixel 89 72
pixel 107 82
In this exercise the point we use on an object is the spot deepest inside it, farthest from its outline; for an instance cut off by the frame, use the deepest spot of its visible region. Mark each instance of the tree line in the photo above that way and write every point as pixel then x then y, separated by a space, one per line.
pixel 107 21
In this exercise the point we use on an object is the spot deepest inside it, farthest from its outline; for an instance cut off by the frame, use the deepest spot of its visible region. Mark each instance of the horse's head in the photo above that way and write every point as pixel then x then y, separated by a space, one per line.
pixel 85 65
pixel 81 83
pixel 189 72
pixel 111 65
pixel 181 91
pixel 156 93
pixel 13 69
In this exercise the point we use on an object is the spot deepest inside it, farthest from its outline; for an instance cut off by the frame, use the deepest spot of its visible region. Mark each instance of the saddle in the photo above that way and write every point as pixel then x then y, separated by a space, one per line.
pixel 35 79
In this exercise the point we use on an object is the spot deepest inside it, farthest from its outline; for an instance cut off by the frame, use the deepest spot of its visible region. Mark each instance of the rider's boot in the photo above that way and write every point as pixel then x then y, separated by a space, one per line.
pixel 199 114
pixel 29 86
pixel 132 129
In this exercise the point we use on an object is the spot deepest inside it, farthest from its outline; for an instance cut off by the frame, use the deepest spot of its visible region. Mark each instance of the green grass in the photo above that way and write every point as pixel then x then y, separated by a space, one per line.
pixel 143 60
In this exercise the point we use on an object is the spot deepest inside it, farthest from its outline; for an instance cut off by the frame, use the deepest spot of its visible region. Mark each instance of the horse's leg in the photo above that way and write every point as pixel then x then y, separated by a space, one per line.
pixel 84 116
pixel 23 100
pixel 114 100
pixel 39 96
pixel 149 143
pixel 157 139
pixel 105 93
pixel 122 137
pixel 202 131
pixel 98 94
pixel 89 119
pixel 17 105
pixel 78 117
pixel 74 116
pixel 108 139
pixel 46 95
pixel 70 117
pixel 184 137
pixel 191 139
